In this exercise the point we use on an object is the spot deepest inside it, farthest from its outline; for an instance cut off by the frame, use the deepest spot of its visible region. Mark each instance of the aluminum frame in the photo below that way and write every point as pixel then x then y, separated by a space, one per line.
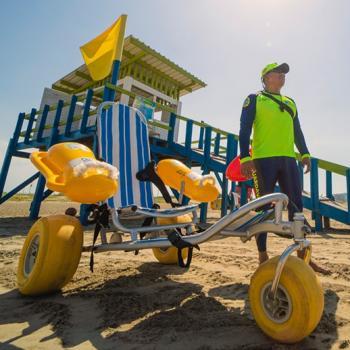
pixel 277 225
pixel 295 229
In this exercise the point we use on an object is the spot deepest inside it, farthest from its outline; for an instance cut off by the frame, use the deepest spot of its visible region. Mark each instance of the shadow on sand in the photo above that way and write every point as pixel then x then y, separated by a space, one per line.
pixel 138 310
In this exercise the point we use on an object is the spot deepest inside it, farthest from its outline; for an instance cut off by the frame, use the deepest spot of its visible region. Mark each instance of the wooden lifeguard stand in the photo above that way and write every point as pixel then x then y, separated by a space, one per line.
pixel 144 73
pixel 68 109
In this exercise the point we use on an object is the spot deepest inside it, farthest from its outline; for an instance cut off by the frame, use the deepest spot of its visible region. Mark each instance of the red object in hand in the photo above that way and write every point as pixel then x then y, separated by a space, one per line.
pixel 233 171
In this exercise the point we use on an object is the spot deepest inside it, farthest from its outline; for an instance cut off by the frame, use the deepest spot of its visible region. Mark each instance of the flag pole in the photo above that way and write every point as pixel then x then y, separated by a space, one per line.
pixel 103 55
pixel 109 94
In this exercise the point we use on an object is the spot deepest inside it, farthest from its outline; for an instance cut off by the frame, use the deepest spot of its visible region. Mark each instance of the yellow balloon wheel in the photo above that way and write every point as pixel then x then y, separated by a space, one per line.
pixel 299 303
pixel 168 256
pixel 50 255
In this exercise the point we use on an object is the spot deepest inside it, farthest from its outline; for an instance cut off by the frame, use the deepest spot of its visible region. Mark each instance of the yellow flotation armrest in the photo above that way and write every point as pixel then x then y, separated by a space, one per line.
pixel 50 172
pixel 201 188
pixel 72 169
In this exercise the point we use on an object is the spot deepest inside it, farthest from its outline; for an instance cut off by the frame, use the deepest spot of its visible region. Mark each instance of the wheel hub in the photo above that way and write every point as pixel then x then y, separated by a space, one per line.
pixel 31 255
pixel 277 309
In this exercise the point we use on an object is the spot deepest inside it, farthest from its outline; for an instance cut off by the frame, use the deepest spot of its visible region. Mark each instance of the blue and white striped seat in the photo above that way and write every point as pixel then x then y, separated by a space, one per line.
pixel 123 142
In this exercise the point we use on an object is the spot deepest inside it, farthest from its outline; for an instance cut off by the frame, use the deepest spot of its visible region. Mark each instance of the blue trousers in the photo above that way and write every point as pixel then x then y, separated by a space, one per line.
pixel 284 171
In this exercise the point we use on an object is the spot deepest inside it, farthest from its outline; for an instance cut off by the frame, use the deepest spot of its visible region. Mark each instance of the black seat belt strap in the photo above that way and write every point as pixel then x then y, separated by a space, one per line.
pixel 282 105
pixel 102 217
pixel 181 260
pixel 149 174
pixel 176 240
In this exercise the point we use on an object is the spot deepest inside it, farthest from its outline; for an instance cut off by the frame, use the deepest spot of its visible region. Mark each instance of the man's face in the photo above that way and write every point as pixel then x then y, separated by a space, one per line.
pixel 274 79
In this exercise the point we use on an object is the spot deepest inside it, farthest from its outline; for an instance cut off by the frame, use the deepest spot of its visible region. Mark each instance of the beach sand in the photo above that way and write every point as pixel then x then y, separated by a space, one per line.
pixel 133 302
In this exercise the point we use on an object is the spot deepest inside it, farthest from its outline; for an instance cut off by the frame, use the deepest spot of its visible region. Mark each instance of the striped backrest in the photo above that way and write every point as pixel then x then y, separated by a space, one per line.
pixel 123 142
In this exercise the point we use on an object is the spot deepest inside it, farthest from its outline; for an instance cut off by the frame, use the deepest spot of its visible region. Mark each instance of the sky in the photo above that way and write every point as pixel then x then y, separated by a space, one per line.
pixel 226 43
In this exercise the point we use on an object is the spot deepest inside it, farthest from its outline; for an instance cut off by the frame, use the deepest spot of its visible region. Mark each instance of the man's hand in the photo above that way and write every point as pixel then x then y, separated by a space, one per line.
pixel 306 163
pixel 247 169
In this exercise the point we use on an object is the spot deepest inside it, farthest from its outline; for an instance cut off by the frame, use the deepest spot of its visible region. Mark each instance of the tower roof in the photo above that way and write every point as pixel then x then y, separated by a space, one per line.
pixel 144 64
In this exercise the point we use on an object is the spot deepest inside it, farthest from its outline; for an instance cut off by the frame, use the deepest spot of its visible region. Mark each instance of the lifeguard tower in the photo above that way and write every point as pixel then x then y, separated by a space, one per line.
pixel 68 109
pixel 144 73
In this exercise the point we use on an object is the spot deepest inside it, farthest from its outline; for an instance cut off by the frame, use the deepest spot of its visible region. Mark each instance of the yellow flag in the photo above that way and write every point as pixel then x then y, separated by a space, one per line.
pixel 99 53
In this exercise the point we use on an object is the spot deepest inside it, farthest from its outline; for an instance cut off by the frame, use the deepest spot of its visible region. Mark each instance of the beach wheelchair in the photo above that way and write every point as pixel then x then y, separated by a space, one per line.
pixel 285 296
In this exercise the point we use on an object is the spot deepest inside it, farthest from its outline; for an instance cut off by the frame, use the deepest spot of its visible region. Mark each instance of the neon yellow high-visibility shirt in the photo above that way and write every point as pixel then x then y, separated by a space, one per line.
pixel 274 131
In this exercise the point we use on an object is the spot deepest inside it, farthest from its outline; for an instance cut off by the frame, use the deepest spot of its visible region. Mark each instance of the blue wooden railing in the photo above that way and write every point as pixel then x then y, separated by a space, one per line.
pixel 211 151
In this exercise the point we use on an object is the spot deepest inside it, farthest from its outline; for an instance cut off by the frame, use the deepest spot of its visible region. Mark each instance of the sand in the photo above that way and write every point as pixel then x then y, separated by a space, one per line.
pixel 133 302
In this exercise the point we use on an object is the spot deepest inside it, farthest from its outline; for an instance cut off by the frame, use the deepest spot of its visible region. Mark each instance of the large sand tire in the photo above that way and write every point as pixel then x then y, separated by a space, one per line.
pixel 50 255
pixel 299 305
pixel 168 256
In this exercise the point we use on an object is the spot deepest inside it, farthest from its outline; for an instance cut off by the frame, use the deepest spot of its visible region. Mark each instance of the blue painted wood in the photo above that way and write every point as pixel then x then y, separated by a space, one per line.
pixel 163 151
pixel 217 144
pixel 188 137
pixel 30 125
pixel 21 154
pixel 232 140
pixel 206 169
pixel 185 200
pixel 39 136
pixel 231 152
pixel 201 137
pixel 175 193
pixel 74 136
pixel 38 197
pixel 207 144
pixel 315 197
pixel 333 212
pixel 88 100
pixel 199 158
pixel 39 191
pixel 19 188
pixel 6 166
pixel 307 202
pixel 84 212
pixel 172 123
pixel 56 123
pixel 95 145
pixel 115 74
pixel 109 94
pixel 218 178
pixel 188 157
pixel 70 115
pixel 46 194
pixel 18 127
pixel 11 148
pixel 224 195
pixel 329 189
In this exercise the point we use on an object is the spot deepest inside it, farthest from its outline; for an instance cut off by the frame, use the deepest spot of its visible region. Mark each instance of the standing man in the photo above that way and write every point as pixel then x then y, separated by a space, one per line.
pixel 276 129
